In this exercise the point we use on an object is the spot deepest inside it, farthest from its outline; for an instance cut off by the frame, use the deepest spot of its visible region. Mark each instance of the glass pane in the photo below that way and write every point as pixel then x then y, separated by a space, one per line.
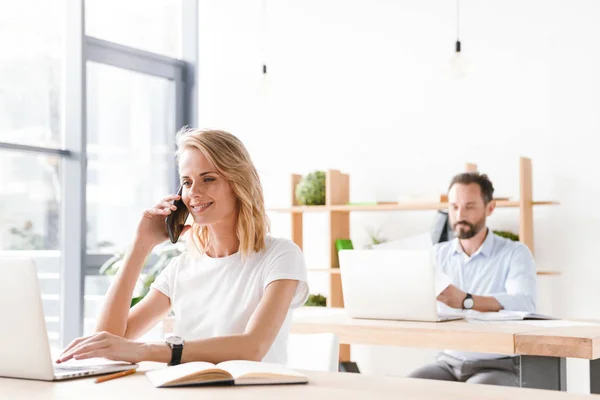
pixel 130 129
pixel 148 25
pixel 29 201
pixel 30 189
pixel 31 62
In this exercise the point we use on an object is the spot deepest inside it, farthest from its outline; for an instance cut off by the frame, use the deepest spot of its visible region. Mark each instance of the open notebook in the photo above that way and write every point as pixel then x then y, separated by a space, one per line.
pixel 225 373
pixel 503 315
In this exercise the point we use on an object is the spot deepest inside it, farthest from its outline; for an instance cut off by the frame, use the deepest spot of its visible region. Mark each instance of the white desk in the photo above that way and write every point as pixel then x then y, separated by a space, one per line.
pixel 323 385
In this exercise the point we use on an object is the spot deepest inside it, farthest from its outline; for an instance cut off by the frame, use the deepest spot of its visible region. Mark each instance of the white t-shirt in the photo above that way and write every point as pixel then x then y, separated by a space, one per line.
pixel 217 296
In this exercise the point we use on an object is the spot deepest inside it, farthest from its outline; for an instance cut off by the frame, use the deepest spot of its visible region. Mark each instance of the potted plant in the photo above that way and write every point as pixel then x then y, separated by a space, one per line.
pixel 316 300
pixel 158 259
pixel 310 191
pixel 375 237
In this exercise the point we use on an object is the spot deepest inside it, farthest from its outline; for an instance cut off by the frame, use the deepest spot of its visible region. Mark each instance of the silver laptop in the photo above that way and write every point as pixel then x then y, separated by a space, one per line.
pixel 390 284
pixel 24 347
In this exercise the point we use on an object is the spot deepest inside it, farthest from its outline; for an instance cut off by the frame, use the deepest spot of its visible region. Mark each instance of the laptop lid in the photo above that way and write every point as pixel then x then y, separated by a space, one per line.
pixel 24 347
pixel 389 284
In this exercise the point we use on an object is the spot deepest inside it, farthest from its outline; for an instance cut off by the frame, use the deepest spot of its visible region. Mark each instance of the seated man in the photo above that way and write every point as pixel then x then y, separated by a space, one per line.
pixel 488 273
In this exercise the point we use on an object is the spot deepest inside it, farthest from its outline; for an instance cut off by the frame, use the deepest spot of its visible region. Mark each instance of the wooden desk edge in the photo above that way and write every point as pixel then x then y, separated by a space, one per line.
pixel 493 342
pixel 544 343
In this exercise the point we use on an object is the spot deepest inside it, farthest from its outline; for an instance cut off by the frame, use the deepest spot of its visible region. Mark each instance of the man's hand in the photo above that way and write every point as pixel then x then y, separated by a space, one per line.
pixel 452 297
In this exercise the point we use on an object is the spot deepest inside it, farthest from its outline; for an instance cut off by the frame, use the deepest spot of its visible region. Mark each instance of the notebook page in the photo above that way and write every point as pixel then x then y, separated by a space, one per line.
pixel 159 377
pixel 239 368
pixel 503 315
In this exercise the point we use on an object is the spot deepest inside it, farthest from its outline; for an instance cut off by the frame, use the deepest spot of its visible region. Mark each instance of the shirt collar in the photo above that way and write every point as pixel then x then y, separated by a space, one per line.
pixel 485 248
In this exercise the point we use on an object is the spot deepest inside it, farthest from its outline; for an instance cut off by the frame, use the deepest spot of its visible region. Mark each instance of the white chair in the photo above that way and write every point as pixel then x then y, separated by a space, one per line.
pixel 315 352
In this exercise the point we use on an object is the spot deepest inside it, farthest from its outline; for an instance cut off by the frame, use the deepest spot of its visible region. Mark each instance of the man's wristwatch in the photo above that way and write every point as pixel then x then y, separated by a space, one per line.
pixel 468 302
pixel 176 344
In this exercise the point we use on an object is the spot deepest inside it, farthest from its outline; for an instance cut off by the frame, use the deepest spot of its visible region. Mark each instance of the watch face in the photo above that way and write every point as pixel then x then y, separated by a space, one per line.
pixel 174 340
pixel 468 303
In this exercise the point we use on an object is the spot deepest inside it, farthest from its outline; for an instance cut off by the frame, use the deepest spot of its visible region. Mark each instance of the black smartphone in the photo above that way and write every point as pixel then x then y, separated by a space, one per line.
pixel 176 220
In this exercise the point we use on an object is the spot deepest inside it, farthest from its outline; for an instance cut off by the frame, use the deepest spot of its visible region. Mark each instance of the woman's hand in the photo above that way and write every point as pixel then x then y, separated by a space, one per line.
pixel 152 229
pixel 105 345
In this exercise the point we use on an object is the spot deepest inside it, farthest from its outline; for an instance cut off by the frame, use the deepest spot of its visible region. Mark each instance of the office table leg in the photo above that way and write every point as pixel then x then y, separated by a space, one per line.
pixel 545 373
pixel 595 376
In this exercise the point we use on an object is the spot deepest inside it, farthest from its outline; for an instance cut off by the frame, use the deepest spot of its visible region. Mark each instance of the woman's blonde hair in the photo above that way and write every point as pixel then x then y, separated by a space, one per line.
pixel 232 161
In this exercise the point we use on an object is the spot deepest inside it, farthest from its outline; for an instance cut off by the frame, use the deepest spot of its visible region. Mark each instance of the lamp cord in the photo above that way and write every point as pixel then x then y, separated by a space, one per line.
pixel 264 35
pixel 457 19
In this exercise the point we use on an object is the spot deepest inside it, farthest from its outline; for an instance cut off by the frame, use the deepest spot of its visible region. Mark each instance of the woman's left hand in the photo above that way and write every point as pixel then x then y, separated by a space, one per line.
pixel 105 345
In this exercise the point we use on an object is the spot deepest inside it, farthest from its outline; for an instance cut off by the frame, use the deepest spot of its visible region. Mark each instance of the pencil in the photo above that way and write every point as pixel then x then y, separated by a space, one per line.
pixel 115 375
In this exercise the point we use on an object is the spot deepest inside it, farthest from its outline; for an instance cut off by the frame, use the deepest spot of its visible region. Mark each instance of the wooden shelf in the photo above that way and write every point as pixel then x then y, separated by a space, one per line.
pixel 328 270
pixel 394 207
pixel 336 271
pixel 548 273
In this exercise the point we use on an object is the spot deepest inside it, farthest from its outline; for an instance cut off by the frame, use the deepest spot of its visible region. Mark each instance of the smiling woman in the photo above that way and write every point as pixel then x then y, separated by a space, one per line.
pixel 220 187
pixel 232 293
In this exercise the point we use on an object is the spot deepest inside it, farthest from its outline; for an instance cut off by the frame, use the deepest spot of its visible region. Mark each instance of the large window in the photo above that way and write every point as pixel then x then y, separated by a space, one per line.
pixel 91 95
pixel 31 114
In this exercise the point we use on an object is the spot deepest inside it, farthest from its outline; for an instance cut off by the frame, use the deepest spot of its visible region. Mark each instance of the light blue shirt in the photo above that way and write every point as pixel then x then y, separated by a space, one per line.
pixel 500 268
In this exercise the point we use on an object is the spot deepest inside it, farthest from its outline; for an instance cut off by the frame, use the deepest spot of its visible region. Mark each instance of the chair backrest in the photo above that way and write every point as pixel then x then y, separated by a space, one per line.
pixel 315 351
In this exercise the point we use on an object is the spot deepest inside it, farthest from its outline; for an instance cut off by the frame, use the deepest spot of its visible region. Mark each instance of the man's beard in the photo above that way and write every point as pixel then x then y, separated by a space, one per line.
pixel 473 230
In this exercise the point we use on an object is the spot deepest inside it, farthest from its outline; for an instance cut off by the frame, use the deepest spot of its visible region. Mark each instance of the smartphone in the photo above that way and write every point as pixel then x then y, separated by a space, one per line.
pixel 176 220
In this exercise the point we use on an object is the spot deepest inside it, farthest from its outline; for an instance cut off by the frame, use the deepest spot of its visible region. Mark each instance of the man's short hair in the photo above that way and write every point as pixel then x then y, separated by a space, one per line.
pixel 467 178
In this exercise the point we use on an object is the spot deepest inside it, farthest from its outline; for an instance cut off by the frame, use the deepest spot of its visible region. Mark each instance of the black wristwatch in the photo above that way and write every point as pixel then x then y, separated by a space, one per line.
pixel 468 302
pixel 176 344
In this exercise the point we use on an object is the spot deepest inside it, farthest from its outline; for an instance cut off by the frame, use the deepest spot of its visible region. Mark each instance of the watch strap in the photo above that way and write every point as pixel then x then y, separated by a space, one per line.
pixel 176 351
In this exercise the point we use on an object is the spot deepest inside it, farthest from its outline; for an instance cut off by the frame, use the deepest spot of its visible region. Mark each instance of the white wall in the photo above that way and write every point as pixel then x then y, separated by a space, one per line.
pixel 364 86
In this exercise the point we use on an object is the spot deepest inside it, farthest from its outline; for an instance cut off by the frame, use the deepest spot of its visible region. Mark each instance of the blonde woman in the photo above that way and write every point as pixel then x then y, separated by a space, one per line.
pixel 232 293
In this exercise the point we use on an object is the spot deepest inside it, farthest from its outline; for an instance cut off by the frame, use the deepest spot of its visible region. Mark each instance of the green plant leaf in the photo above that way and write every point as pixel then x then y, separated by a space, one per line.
pixel 136 300
pixel 316 300
pixel 108 268
pixel 507 235
pixel 310 191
